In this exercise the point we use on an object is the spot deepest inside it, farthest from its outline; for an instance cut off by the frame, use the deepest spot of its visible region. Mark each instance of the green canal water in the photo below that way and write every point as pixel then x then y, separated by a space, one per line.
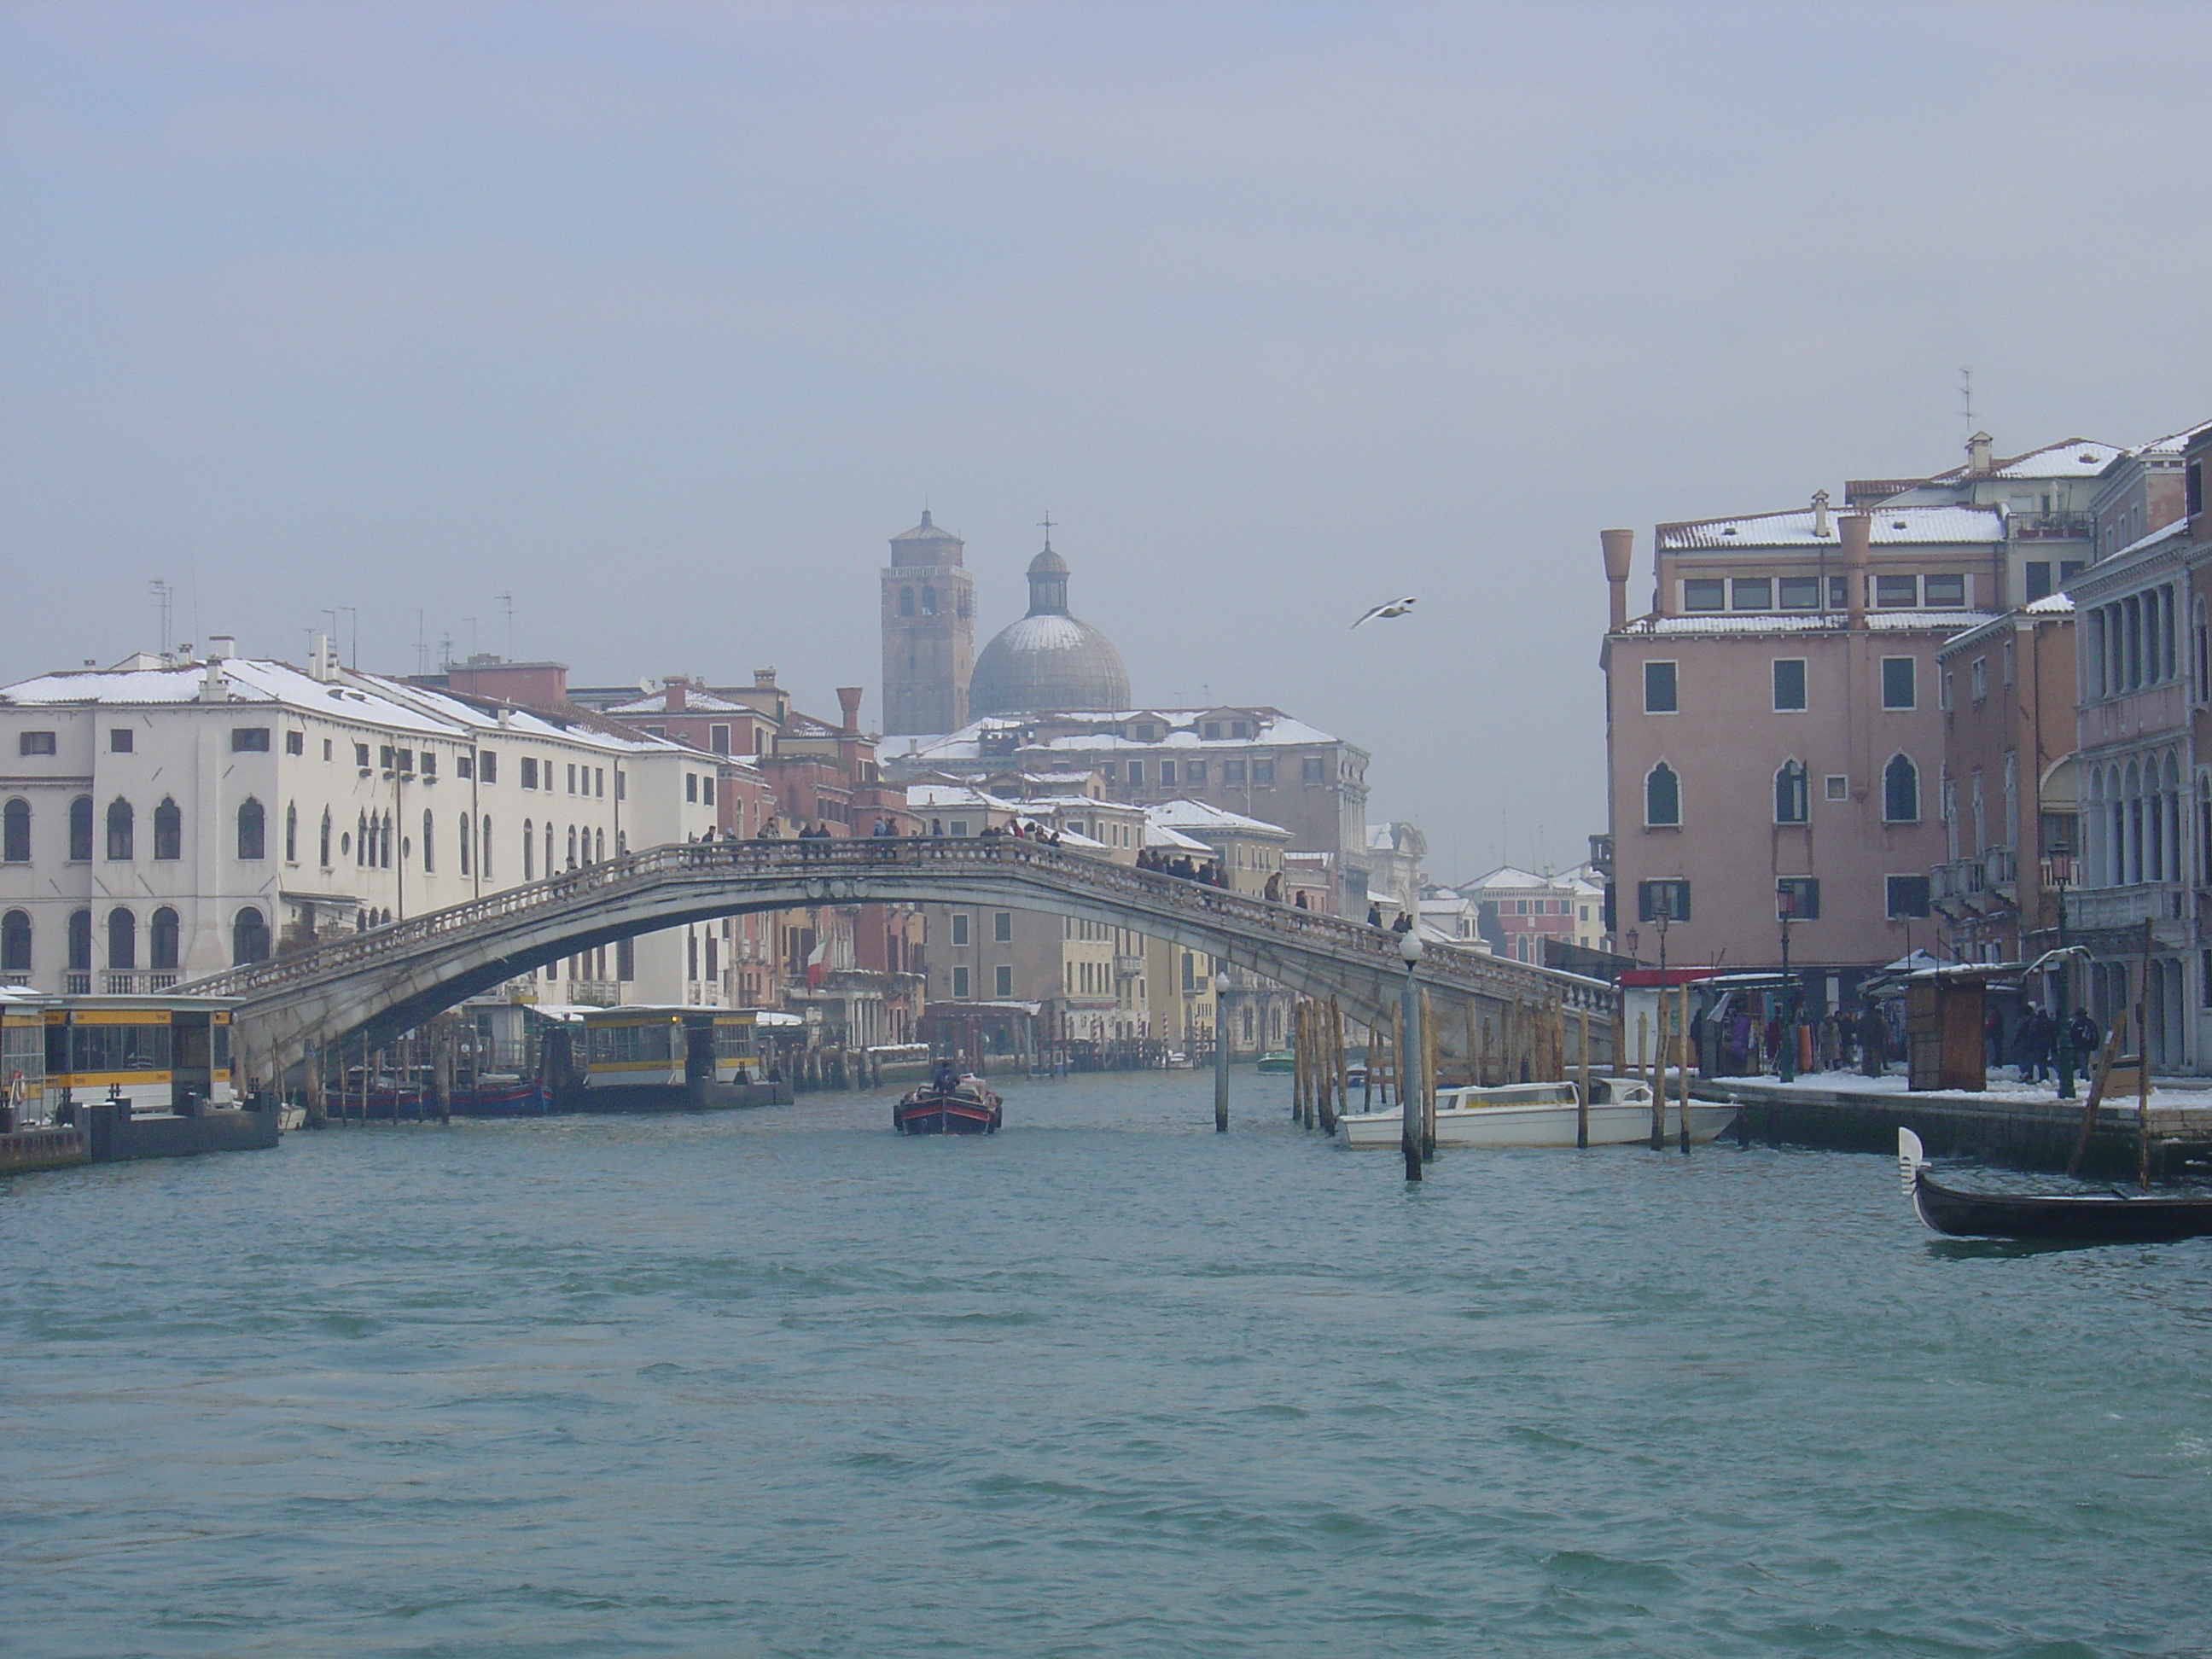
pixel 780 1383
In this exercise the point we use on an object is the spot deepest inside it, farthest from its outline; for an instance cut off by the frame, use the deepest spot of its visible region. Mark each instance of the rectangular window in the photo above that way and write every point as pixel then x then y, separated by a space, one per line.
pixel 1659 688
pixel 361 755
pixel 430 763
pixel 529 771
pixel 1901 685
pixel 1839 593
pixel 119 740
pixel 249 740
pixel 960 983
pixel 326 748
pixel 1943 697
pixel 1896 593
pixel 384 757
pixel 407 760
pixel 959 927
pixel 1136 775
pixel 1789 685
pixel 2038 580
pixel 1944 592
pixel 1232 770
pixel 572 777
pixel 1799 593
pixel 1002 927
pixel 1839 787
pixel 707 794
pixel 690 785
pixel 1752 594
pixel 1797 899
pixel 2068 570
pixel 1194 771
pixel 1977 678
pixel 1667 899
pixel 2008 662
pixel 958 827
pixel 1263 771
pixel 1310 769
pixel 1705 593
pixel 1002 982
pixel 718 739
pixel 1906 897
pixel 599 782
pixel 35 742
pixel 1108 773
pixel 487 766
pixel 621 786
pixel 1167 772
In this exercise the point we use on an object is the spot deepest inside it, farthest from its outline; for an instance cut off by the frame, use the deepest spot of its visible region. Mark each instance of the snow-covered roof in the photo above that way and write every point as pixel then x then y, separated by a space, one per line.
pixel 2164 533
pixel 1196 817
pixel 1880 622
pixel 1891 526
pixel 2174 442
pixel 943 795
pixel 1159 835
pixel 695 701
pixel 2051 604
pixel 1509 877
pixel 1181 728
pixel 2076 458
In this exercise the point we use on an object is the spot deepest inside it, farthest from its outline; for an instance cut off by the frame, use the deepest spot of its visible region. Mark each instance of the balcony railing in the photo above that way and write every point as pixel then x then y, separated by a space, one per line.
pixel 1959 879
pixel 76 985
pixel 1129 966
pixel 2126 907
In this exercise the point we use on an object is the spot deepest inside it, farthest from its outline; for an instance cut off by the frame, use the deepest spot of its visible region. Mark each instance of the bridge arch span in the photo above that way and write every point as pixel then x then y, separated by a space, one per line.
pixel 394 977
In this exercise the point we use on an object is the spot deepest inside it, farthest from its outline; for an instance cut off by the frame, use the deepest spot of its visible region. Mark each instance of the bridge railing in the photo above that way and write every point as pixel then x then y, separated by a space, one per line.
pixel 827 861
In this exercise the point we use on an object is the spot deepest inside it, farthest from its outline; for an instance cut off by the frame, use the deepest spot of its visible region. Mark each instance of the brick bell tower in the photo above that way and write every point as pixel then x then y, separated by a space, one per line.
pixel 929 633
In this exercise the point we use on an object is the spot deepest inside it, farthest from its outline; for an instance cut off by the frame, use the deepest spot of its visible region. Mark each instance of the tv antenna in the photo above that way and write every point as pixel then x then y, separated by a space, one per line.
pixel 164 600
pixel 1966 396
pixel 506 604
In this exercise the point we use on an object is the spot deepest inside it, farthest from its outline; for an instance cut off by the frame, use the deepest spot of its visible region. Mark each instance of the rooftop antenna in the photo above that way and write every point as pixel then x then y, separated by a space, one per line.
pixel 352 613
pixel 506 604
pixel 164 600
pixel 471 622
pixel 1966 396
pixel 422 650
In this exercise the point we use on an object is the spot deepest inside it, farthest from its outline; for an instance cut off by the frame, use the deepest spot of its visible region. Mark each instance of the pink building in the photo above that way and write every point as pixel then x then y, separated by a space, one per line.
pixel 1774 742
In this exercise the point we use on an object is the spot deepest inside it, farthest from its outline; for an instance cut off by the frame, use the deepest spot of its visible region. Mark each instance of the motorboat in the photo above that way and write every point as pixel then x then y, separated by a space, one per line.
pixel 1543 1115
pixel 946 1107
pixel 2111 1217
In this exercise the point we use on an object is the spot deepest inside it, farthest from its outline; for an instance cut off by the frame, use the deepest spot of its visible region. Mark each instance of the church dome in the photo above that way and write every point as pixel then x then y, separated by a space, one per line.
pixel 1049 662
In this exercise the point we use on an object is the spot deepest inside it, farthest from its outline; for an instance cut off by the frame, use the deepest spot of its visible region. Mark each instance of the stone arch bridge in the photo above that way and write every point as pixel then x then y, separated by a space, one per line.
pixel 391 978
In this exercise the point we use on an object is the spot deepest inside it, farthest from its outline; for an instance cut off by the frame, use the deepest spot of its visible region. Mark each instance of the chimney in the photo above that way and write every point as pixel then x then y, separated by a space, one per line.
pixel 763 679
pixel 1855 527
pixel 1619 548
pixel 672 693
pixel 214 684
pixel 323 660
pixel 849 699
pixel 1820 513
pixel 1977 456
pixel 220 646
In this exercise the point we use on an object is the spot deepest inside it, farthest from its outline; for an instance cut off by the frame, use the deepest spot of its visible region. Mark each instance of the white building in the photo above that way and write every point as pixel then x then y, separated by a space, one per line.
pixel 161 820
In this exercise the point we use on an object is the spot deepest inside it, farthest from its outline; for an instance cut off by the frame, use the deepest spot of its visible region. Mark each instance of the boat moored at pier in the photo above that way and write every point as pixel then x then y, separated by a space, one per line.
pixel 2110 1217
pixel 1541 1114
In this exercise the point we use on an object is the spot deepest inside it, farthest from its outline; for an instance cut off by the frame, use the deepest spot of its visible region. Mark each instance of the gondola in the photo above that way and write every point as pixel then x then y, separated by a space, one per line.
pixel 2107 1218
pixel 947 1106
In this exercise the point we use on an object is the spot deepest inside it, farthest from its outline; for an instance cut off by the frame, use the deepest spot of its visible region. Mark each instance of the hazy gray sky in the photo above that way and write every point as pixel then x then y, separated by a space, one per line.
pixel 663 317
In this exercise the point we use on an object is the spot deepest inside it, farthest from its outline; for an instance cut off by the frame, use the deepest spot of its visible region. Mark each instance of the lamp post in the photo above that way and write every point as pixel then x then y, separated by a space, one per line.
pixel 1409 1064
pixel 1785 1053
pixel 1659 1105
pixel 2062 867
pixel 1220 1055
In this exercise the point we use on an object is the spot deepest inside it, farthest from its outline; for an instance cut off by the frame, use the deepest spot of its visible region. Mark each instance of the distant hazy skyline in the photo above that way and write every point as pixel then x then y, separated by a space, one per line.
pixel 663 318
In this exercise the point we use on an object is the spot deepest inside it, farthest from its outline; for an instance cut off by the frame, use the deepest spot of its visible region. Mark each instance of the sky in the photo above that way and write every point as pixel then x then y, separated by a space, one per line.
pixel 660 319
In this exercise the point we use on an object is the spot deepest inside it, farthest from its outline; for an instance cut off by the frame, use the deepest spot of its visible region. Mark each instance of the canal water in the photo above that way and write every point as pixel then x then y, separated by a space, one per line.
pixel 778 1382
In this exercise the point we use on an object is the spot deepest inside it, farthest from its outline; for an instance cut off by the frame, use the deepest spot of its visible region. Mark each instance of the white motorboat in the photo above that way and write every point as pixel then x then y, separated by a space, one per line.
pixel 1543 1115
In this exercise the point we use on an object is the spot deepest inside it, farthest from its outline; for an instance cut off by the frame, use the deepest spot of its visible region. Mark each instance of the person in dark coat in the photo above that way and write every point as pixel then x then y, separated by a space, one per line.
pixel 1992 1037
pixel 2081 1031
pixel 1874 1042
pixel 2031 1045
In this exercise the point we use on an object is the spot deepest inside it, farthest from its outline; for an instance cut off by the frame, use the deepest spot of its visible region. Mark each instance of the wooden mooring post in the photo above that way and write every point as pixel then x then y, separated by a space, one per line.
pixel 1682 1016
pixel 1428 1080
pixel 1332 1101
pixel 1583 1092
pixel 1660 1080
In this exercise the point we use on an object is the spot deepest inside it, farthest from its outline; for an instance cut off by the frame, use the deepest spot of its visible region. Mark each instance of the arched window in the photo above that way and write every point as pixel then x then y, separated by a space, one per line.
pixel 1791 800
pixel 599 846
pixel 80 837
pixel 249 937
pixel 429 855
pixel 906 602
pixel 252 826
pixel 384 840
pixel 928 601
pixel 572 847
pixel 324 845
pixel 484 848
pixel 1900 791
pixel 161 939
pixel 15 832
pixel 1662 796
pixel 529 851
pixel 169 830
pixel 121 824
pixel 468 835
pixel 361 838
pixel 122 939
pixel 16 942
pixel 80 941
pixel 549 850
pixel 292 832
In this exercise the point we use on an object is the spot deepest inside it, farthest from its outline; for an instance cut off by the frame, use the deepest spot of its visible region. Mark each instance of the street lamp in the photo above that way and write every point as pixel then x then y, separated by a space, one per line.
pixel 1409 1068
pixel 1785 1056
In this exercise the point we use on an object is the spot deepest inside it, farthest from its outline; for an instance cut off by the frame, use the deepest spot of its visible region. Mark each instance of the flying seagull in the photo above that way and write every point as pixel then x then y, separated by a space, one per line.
pixel 1395 608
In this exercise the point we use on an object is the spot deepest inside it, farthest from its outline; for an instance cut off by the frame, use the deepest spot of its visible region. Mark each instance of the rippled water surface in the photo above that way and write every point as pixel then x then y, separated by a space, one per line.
pixel 779 1382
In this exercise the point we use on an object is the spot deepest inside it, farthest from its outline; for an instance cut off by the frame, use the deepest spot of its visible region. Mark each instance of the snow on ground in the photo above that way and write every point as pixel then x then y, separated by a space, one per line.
pixel 2001 1090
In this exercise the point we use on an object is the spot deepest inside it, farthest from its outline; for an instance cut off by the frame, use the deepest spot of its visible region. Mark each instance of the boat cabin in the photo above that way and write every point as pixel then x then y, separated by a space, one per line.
pixel 160 1053
pixel 640 1046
